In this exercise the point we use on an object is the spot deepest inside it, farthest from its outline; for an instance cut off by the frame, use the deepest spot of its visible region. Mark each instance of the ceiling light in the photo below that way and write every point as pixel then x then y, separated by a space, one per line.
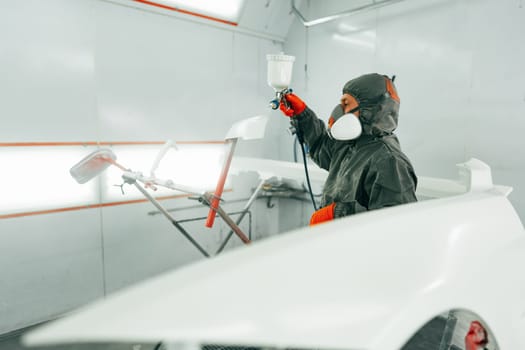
pixel 224 9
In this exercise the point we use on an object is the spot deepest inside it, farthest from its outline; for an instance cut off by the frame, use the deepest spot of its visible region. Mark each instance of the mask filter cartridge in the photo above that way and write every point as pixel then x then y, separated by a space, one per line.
pixel 344 127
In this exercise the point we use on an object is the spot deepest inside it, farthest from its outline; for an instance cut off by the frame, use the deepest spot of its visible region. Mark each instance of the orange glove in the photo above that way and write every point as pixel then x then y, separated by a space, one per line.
pixel 296 105
pixel 323 214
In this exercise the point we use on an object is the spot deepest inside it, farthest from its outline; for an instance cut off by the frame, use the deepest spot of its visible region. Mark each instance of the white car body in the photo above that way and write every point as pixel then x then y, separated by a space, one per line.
pixel 368 281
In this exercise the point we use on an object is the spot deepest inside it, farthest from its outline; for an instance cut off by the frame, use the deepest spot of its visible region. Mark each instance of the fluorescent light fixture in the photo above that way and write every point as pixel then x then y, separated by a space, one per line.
pixel 38 179
pixel 225 9
pixel 355 42
pixel 345 29
pixel 193 166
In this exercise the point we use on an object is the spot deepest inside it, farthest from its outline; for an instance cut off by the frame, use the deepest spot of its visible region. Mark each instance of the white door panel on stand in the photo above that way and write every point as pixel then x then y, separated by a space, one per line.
pixel 157 82
pixel 47 72
pixel 50 264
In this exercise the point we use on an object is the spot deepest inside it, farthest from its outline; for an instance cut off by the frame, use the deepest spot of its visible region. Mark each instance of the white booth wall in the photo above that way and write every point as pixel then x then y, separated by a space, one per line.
pixel 459 73
pixel 115 71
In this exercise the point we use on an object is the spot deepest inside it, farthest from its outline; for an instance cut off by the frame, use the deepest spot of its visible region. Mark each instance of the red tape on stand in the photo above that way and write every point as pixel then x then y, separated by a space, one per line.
pixel 220 185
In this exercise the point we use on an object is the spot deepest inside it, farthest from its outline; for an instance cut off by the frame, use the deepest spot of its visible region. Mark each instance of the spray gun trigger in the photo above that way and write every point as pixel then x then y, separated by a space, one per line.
pixel 280 98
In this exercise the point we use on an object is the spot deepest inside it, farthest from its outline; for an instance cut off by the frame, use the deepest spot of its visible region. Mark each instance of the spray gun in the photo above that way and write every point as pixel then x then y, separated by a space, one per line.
pixel 276 102
pixel 279 76
pixel 279 97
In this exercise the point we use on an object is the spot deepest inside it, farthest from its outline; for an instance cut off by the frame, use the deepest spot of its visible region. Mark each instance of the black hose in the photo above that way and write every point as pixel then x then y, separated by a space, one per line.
pixel 307 176
pixel 299 135
pixel 295 141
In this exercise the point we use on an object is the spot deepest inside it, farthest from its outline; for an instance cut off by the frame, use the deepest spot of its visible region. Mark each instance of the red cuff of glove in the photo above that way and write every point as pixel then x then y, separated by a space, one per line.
pixel 296 105
pixel 323 214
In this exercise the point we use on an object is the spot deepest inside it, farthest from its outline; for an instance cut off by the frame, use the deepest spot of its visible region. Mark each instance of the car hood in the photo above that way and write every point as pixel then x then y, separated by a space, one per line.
pixel 359 282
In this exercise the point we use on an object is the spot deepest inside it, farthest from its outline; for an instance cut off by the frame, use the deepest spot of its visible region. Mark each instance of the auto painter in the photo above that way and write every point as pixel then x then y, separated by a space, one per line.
pixel 366 167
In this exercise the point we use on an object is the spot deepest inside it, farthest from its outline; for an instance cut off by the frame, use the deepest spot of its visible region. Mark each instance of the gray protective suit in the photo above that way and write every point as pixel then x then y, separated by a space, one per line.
pixel 371 171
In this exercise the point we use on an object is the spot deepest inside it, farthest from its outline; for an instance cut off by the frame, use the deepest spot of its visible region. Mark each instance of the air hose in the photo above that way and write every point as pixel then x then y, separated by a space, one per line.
pixel 274 104
pixel 299 136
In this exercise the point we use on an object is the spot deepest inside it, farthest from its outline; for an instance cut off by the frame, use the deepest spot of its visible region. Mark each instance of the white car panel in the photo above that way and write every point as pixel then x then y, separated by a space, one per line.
pixel 368 281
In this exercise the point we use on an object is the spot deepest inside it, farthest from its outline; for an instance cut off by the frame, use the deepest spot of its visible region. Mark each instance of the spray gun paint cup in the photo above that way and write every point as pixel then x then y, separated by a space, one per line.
pixel 280 71
pixel 279 76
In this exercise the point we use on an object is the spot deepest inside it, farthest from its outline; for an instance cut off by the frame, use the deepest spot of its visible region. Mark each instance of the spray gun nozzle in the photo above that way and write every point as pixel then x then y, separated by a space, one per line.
pixel 274 104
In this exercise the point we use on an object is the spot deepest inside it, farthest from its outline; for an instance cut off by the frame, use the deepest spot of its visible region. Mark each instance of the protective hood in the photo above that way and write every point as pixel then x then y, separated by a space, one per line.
pixel 378 103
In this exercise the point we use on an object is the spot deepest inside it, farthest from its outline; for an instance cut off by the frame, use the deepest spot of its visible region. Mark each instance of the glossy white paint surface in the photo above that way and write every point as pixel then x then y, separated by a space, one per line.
pixel 368 281
pixel 474 175
pixel 268 168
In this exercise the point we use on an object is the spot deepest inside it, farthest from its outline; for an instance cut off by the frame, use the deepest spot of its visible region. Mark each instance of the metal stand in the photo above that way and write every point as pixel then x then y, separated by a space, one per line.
pixel 247 129
pixel 166 214
pixel 206 199
pixel 244 212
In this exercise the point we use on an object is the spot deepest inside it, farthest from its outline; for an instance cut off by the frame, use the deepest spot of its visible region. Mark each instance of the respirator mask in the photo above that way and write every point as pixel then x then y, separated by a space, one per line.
pixel 344 127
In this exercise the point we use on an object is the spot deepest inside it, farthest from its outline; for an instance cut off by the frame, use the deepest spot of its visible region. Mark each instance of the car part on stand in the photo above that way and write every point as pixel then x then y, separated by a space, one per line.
pixel 247 129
